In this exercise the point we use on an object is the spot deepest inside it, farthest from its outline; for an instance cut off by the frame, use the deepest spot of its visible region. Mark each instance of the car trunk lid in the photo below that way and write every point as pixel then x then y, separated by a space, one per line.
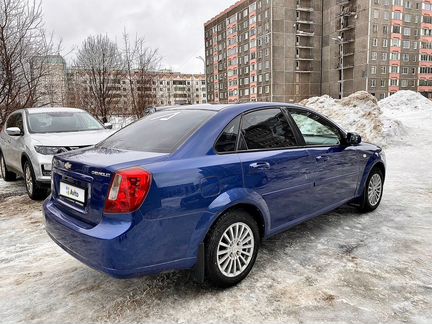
pixel 82 179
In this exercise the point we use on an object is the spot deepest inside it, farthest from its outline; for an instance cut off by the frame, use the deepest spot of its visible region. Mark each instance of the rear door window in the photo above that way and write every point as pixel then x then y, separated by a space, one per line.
pixel 227 141
pixel 266 129
pixel 161 132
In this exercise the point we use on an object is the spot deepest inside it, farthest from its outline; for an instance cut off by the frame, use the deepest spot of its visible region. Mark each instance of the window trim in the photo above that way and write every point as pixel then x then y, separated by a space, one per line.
pixel 301 144
pixel 237 151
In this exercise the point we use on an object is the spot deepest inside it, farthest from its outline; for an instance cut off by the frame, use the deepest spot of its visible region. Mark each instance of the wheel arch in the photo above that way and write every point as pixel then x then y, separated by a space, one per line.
pixel 24 158
pixel 239 198
pixel 381 167
pixel 377 163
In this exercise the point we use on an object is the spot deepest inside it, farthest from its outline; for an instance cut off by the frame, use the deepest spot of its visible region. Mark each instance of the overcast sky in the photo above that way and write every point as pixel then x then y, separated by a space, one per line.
pixel 173 26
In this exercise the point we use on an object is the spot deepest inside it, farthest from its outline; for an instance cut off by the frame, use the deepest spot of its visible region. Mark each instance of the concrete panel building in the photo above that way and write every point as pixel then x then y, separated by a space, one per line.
pixel 288 50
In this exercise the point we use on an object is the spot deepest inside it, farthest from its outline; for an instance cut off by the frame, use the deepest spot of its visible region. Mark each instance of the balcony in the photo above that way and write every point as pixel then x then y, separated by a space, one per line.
pixel 304 33
pixel 304 21
pixel 345 28
pixel 304 8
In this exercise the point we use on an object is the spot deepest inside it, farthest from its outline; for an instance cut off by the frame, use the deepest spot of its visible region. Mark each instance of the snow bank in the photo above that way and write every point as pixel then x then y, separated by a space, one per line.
pixel 120 121
pixel 361 113
pixel 405 101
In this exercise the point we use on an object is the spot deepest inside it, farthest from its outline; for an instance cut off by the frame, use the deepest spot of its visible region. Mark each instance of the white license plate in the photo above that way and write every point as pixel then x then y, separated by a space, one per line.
pixel 72 192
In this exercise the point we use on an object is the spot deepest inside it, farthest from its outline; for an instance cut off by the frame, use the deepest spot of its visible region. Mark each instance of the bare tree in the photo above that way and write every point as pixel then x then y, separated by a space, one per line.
pixel 99 63
pixel 140 64
pixel 22 38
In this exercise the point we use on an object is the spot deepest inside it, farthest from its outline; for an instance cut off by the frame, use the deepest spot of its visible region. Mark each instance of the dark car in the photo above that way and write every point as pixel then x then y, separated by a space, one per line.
pixel 200 187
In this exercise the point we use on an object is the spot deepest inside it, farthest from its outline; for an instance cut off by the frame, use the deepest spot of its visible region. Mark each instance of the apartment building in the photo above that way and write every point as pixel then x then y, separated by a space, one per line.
pixel 60 86
pixel 51 85
pixel 174 88
pixel 288 50
pixel 266 50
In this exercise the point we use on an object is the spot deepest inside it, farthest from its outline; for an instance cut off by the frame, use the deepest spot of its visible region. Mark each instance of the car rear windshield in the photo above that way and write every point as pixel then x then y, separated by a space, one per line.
pixel 161 132
pixel 62 122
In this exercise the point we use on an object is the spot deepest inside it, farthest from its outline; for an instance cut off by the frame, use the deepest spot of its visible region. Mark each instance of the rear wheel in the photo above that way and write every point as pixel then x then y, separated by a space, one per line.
pixel 231 248
pixel 35 189
pixel 4 173
pixel 373 191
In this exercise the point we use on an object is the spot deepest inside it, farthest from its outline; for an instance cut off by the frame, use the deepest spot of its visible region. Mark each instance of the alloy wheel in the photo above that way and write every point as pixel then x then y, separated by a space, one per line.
pixel 28 180
pixel 374 189
pixel 235 249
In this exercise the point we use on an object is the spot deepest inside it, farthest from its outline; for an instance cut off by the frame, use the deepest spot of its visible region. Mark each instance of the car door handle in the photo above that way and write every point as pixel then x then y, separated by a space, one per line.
pixel 260 165
pixel 322 158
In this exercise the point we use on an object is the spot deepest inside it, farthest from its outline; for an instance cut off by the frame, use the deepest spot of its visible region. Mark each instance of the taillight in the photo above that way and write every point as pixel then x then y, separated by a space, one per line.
pixel 128 191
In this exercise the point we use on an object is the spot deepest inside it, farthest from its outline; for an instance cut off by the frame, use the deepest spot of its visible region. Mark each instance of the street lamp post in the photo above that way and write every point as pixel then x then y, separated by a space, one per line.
pixel 339 41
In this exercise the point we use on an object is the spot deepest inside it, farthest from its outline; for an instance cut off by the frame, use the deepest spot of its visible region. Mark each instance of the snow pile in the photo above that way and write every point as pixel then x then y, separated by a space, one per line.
pixel 405 101
pixel 361 113
pixel 119 122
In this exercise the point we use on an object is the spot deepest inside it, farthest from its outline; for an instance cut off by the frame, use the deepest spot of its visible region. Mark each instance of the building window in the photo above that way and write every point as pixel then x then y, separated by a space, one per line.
pixel 373 69
pixel 373 83
pixel 374 56
pixel 376 14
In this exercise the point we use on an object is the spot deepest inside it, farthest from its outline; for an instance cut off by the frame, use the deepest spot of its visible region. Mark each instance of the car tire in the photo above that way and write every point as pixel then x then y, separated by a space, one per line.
pixel 34 189
pixel 231 248
pixel 373 191
pixel 4 173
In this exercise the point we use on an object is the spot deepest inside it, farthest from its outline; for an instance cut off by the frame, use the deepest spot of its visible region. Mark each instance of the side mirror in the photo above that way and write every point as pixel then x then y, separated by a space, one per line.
pixel 13 131
pixel 353 139
pixel 108 125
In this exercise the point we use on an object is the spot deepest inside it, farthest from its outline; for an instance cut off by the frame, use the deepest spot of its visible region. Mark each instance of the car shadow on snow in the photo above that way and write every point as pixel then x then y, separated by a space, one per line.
pixel 150 293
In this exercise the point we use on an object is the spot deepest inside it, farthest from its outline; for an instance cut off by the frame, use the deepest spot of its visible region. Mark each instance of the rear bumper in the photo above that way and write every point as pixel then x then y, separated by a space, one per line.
pixel 111 247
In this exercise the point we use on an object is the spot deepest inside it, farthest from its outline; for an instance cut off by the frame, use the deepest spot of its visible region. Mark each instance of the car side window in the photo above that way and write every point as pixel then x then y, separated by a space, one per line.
pixel 227 141
pixel 266 129
pixel 315 130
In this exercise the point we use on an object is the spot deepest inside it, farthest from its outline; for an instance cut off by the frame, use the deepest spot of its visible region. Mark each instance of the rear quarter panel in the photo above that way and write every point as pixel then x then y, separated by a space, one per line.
pixel 184 200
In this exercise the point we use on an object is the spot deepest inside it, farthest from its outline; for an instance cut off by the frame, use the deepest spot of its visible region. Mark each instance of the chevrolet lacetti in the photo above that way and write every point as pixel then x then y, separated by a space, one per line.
pixel 199 187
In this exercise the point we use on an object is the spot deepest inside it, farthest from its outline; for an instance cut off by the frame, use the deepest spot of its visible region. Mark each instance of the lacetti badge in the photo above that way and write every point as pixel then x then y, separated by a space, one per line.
pixel 101 174
pixel 68 166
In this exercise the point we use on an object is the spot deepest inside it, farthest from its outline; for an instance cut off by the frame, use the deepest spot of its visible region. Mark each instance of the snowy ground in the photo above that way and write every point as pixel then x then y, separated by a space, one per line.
pixel 343 267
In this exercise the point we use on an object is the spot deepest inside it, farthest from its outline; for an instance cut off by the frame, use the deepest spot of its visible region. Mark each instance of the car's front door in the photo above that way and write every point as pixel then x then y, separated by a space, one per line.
pixel 336 170
pixel 274 166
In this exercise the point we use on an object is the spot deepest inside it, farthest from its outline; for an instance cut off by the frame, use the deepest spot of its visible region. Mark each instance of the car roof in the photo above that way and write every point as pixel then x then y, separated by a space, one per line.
pixel 238 107
pixel 51 109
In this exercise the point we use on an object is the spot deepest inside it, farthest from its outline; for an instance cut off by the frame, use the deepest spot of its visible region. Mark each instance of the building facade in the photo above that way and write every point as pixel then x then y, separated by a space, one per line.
pixel 174 88
pixel 51 85
pixel 288 50
pixel 60 86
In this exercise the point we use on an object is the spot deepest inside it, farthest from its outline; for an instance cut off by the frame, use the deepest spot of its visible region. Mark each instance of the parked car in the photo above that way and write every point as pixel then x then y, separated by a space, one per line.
pixel 31 137
pixel 199 187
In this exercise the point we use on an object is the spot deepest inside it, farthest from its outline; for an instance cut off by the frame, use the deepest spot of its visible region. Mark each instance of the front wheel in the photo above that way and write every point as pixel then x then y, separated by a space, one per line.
pixel 34 189
pixel 231 248
pixel 373 191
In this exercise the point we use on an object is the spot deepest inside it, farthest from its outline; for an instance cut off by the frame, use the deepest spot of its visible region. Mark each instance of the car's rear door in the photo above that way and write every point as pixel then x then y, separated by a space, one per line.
pixel 336 169
pixel 274 166
pixel 14 144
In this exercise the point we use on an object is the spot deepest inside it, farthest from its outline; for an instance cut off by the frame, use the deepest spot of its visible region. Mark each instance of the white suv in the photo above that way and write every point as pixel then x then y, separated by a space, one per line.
pixel 31 137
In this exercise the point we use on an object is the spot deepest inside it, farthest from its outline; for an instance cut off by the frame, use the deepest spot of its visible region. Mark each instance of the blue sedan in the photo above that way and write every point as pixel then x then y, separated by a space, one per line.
pixel 199 187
